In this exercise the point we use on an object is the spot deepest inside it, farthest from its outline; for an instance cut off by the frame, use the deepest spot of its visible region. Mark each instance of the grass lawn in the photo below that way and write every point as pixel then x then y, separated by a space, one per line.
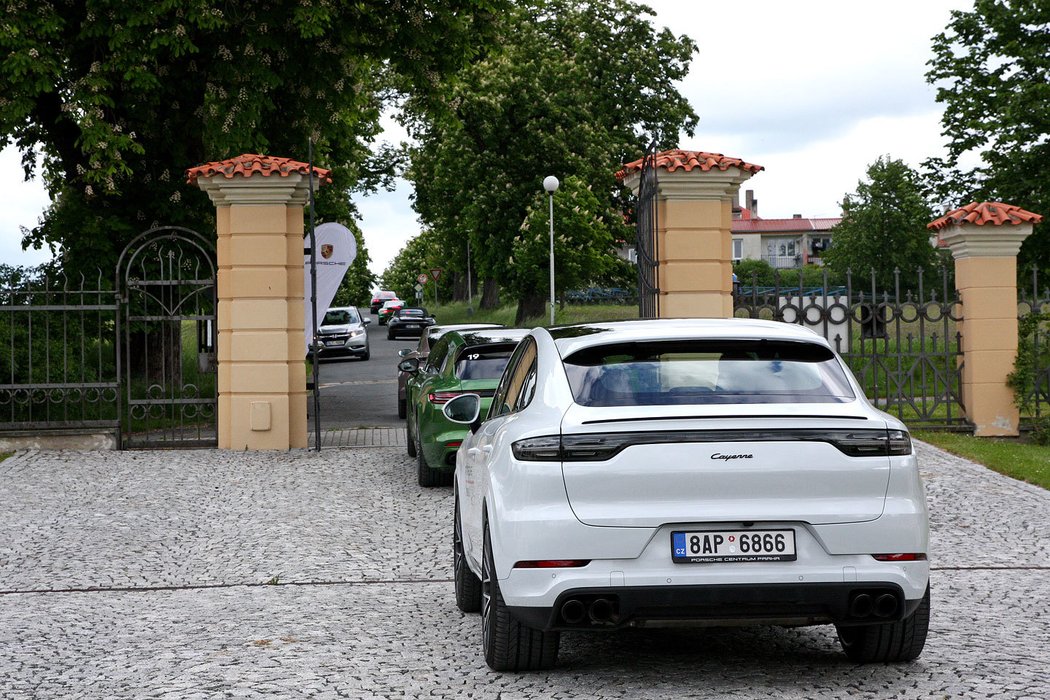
pixel 5 455
pixel 1027 462
pixel 457 313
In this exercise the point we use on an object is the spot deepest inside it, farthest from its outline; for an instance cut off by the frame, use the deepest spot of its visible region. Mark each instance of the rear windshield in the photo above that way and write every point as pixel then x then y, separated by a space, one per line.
pixel 483 362
pixel 340 317
pixel 411 313
pixel 706 371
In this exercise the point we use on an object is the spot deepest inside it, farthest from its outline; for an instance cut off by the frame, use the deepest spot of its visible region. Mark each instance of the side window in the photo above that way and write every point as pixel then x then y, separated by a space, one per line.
pixel 499 397
pixel 437 355
pixel 515 377
pixel 529 388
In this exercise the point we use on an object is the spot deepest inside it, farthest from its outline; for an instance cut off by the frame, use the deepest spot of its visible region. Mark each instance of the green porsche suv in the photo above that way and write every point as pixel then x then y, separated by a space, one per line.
pixel 462 362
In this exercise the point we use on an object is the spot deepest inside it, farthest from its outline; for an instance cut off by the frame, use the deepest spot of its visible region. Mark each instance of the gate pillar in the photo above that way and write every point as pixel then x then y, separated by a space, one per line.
pixel 694 214
pixel 259 204
pixel 985 238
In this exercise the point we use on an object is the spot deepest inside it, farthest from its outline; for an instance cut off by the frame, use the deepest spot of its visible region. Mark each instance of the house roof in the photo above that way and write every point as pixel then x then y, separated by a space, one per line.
pixel 249 164
pixel 678 159
pixel 792 225
pixel 985 213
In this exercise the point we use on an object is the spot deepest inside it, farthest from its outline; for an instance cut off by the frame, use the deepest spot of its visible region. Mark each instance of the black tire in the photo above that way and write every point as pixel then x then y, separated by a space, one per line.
pixel 402 408
pixel 890 642
pixel 427 476
pixel 410 441
pixel 468 586
pixel 368 354
pixel 508 644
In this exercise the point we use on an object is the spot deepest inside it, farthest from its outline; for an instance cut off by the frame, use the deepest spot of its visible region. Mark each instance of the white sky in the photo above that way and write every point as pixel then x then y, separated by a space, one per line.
pixel 814 90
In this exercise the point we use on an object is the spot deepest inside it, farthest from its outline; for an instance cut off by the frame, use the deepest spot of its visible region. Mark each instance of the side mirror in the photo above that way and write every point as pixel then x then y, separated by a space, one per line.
pixel 463 409
pixel 404 351
pixel 367 321
pixel 410 365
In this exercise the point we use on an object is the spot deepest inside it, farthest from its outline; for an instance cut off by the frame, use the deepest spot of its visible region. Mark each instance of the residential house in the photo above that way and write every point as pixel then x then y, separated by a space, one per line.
pixel 783 243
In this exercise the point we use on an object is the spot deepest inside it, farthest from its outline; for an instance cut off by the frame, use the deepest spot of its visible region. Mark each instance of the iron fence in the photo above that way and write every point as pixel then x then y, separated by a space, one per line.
pixel 135 355
pixel 1030 380
pixel 59 371
pixel 902 345
pixel 646 241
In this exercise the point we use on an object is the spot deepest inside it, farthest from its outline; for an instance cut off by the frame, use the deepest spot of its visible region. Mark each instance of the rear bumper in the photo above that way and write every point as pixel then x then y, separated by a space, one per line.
pixel 610 608
pixel 405 332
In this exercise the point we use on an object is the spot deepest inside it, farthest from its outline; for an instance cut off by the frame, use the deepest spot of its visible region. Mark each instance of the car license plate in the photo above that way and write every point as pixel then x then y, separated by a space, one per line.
pixel 732 546
pixel 333 342
pixel 411 325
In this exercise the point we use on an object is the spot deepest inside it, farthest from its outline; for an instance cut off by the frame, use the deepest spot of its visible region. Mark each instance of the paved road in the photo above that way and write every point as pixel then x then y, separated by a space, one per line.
pixel 357 393
pixel 207 574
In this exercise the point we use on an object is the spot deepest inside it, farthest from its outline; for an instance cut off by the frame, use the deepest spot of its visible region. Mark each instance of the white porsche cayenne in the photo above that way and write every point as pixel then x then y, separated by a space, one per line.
pixel 715 472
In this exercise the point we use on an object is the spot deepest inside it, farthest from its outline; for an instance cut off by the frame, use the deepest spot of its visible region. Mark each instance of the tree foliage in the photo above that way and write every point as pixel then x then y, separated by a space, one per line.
pixel 419 254
pixel 120 97
pixel 992 69
pixel 577 88
pixel 356 287
pixel 883 228
pixel 582 241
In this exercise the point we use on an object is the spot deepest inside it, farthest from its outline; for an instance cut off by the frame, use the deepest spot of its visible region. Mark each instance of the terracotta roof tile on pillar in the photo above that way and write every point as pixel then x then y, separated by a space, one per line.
pixel 249 164
pixel 985 213
pixel 678 159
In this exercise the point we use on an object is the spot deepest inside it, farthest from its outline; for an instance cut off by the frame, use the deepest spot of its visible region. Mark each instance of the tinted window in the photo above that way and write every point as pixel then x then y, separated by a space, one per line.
pixel 340 317
pixel 515 379
pixel 706 371
pixel 411 313
pixel 484 362
pixel 437 355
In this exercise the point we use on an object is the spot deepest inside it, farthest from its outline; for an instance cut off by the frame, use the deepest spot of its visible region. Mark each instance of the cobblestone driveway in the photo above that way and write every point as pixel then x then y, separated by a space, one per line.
pixel 209 574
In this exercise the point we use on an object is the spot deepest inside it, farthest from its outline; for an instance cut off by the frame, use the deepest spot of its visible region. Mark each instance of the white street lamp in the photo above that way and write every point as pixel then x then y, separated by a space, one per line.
pixel 550 183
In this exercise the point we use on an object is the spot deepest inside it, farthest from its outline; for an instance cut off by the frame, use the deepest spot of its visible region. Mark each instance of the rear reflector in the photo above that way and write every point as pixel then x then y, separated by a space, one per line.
pixel 900 557
pixel 552 564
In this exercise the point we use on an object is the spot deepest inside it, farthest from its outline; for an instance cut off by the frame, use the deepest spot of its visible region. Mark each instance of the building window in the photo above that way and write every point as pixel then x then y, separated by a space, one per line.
pixel 738 248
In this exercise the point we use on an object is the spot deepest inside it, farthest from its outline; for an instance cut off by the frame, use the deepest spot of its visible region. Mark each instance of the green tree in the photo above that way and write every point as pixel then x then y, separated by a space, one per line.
pixel 582 241
pixel 357 284
pixel 419 254
pixel 991 67
pixel 120 97
pixel 578 88
pixel 883 228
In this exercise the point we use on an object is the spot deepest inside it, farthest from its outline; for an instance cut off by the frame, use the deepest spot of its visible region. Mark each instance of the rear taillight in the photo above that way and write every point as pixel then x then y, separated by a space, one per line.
pixel 899 442
pixel 552 564
pixel 870 443
pixel 597 447
pixel 911 556
pixel 439 397
pixel 538 449
pixel 571 448
pixel 453 443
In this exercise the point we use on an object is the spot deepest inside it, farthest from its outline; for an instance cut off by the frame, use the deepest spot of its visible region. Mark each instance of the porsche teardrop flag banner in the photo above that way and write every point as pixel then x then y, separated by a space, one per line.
pixel 336 250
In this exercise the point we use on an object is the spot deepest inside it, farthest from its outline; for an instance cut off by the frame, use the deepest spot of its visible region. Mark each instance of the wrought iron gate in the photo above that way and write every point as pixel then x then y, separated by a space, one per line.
pixel 166 334
pixel 903 346
pixel 646 239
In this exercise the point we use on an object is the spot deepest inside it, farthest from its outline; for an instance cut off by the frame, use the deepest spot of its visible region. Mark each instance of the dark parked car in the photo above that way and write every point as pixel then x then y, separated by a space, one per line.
pixel 409 320
pixel 427 338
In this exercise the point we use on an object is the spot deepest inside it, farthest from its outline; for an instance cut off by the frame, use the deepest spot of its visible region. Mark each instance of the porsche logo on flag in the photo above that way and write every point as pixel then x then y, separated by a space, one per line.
pixel 326 250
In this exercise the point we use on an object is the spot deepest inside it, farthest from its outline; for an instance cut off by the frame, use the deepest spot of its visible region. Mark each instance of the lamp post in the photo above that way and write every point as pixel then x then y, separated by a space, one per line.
pixel 550 183
pixel 470 291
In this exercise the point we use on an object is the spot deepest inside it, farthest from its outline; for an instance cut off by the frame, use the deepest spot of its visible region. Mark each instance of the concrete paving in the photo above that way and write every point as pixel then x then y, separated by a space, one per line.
pixel 207 574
